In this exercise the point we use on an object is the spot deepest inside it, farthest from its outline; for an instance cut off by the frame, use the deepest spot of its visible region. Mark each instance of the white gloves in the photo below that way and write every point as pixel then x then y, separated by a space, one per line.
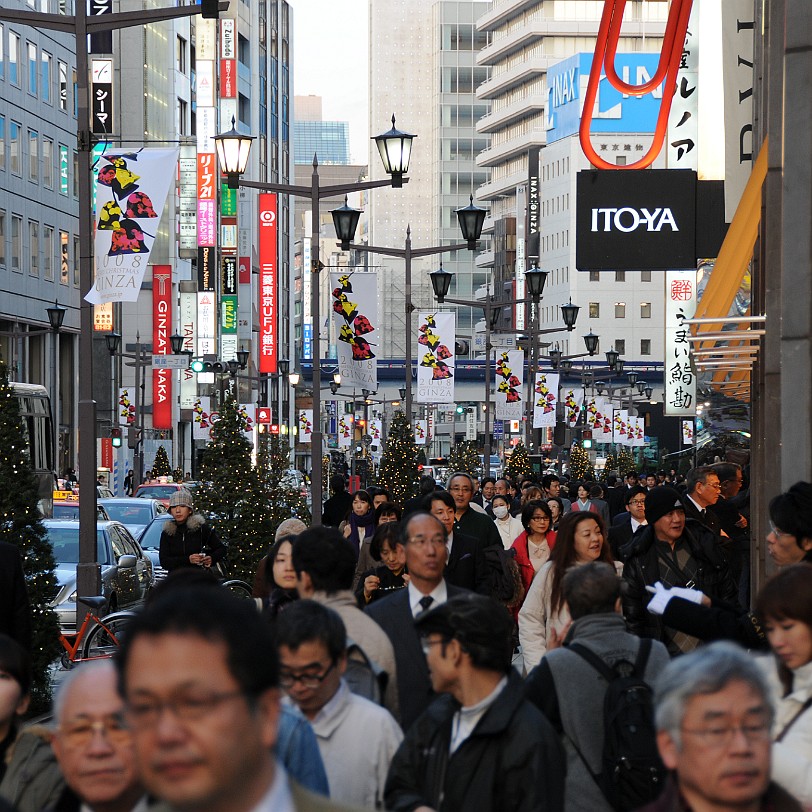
pixel 662 594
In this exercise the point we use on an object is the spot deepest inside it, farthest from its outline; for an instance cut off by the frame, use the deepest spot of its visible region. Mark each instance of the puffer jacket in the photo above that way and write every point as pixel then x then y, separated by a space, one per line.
pixel 33 780
pixel 642 568
pixel 179 541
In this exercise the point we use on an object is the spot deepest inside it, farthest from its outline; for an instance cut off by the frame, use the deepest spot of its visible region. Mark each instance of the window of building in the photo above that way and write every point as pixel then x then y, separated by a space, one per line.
pixel 594 276
pixel 32 69
pixel 14 58
pixel 2 52
pixel 645 346
pixel 33 245
pixel 63 86
pixel 645 310
pixel 16 242
pixel 2 142
pixel 2 239
pixel 48 252
pixel 620 310
pixel 243 50
pixel 75 94
pixel 33 156
pixel 14 148
pixel 620 276
pixel 64 258
pixel 48 163
pixel 76 174
pixel 594 310
pixel 620 346
pixel 180 55
pixel 645 276
pixel 76 255
pixel 181 117
pixel 45 76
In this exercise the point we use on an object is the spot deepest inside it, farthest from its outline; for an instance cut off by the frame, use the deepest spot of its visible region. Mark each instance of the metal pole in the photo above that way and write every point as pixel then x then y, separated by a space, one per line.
pixel 316 437
pixel 487 445
pixel 138 456
pixel 57 412
pixel 408 257
pixel 88 572
pixel 532 357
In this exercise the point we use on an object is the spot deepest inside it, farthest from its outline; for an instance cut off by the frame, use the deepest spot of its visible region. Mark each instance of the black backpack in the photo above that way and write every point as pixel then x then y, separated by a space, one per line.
pixel 632 773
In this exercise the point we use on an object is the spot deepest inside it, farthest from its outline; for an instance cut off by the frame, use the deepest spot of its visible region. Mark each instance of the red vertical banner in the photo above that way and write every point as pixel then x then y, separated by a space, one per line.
pixel 161 330
pixel 106 456
pixel 268 238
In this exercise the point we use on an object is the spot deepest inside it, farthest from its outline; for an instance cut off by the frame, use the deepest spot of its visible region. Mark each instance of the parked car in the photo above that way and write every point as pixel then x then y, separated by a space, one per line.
pixel 135 513
pixel 150 541
pixel 126 571
pixel 70 510
pixel 158 490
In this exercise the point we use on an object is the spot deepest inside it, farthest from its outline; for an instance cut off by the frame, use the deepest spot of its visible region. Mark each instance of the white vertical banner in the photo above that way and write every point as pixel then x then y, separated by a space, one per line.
pixel 509 381
pixel 637 430
pixel 470 423
pixel 680 380
pixel 573 399
pixel 376 432
pixel 619 426
pixel 436 335
pixel 131 190
pixel 126 406
pixel 304 423
pixel 345 430
pixel 421 432
pixel 602 423
pixel 546 399
pixel 188 329
pixel 248 419
pixel 355 316
pixel 202 418
pixel 683 118
pixel 687 432
pixel 737 74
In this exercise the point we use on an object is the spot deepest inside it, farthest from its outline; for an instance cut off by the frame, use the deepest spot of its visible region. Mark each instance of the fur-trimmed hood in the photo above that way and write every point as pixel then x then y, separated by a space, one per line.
pixel 194 522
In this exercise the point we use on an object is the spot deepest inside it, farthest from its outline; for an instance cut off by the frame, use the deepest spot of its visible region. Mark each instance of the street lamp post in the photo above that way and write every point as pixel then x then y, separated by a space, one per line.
pixel 56 315
pixel 88 572
pixel 395 148
pixel 471 219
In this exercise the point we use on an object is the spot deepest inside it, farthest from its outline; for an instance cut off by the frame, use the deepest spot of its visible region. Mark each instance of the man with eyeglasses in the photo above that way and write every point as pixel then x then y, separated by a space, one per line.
pixel 94 746
pixel 356 737
pixel 702 491
pixel 469 521
pixel 199 674
pixel 713 718
pixel 730 510
pixel 670 551
pixel 424 539
pixel 622 531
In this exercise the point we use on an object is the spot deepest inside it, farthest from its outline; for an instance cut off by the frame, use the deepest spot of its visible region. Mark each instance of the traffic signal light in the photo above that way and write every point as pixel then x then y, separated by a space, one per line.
pixel 199 365
pixel 460 409
pixel 210 9
pixel 115 437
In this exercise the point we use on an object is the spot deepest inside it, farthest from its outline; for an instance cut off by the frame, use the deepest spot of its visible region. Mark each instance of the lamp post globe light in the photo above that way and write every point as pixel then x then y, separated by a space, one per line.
pixel 233 149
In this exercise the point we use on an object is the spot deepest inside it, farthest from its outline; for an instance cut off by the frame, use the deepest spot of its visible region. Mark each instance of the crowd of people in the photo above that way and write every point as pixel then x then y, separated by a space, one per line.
pixel 487 645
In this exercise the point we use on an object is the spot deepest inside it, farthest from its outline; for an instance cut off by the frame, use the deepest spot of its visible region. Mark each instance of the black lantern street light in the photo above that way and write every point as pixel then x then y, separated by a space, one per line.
pixel 471 219
pixel 233 149
pixel 56 317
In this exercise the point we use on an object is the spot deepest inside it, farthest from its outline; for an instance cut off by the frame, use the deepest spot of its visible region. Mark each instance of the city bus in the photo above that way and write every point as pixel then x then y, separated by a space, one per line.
pixel 35 415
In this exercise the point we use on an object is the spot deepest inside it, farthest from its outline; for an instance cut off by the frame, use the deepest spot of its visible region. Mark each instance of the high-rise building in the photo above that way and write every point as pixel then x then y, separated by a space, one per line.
pixel 423 69
pixel 329 140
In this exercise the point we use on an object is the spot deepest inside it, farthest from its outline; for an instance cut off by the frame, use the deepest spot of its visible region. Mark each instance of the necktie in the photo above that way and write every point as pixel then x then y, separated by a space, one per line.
pixel 425 602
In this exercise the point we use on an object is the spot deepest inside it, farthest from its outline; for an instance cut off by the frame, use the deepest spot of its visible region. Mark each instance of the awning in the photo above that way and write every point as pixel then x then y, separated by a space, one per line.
pixel 726 279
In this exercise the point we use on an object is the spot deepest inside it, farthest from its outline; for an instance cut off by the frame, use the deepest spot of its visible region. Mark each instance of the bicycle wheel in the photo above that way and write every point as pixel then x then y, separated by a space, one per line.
pixel 238 588
pixel 104 638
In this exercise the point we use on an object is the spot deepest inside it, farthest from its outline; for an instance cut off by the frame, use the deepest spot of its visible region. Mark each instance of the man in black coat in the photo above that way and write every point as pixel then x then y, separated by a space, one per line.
pixel 469 521
pixel 669 551
pixel 505 758
pixel 424 540
pixel 466 567
pixel 621 532
pixel 338 505
pixel 15 610
pixel 702 490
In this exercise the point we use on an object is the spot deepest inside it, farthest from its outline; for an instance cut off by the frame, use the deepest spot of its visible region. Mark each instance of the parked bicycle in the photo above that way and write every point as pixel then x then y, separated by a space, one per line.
pixel 97 637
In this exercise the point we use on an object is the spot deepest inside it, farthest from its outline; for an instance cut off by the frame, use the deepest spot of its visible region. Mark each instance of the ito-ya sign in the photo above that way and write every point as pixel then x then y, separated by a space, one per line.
pixel 680 375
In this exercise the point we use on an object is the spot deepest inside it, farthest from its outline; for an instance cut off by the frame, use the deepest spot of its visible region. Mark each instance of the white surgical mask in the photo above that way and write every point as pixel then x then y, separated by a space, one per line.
pixel 500 511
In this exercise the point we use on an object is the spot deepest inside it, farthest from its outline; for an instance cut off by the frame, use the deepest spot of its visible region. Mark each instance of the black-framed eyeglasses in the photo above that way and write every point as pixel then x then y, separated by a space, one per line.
pixel 288 680
pixel 145 713
pixel 426 644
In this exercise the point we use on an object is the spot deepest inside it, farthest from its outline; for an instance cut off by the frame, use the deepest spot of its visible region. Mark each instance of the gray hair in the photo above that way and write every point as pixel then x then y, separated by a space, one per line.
pixel 75 674
pixel 707 670
pixel 290 527
pixel 459 473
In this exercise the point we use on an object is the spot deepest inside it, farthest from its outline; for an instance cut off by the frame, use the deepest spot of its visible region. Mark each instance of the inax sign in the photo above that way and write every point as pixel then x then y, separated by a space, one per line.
pixel 636 220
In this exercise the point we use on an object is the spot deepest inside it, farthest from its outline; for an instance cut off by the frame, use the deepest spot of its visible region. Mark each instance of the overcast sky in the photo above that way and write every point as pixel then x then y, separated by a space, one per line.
pixel 330 60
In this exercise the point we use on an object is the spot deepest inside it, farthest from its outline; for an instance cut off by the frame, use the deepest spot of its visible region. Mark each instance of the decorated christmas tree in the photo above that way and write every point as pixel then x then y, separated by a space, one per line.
pixel 398 469
pixel 234 496
pixel 20 525
pixel 609 467
pixel 625 461
pixel 284 498
pixel 161 466
pixel 518 464
pixel 580 465
pixel 464 457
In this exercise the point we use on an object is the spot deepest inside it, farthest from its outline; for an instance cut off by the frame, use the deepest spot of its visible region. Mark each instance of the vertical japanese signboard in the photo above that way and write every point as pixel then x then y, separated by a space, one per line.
pixel 188 329
pixel 683 119
pixel 161 330
pixel 268 237
pixel 680 380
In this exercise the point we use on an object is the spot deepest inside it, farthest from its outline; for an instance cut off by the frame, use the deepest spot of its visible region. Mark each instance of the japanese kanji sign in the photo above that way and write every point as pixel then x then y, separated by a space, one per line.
pixel 680 378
